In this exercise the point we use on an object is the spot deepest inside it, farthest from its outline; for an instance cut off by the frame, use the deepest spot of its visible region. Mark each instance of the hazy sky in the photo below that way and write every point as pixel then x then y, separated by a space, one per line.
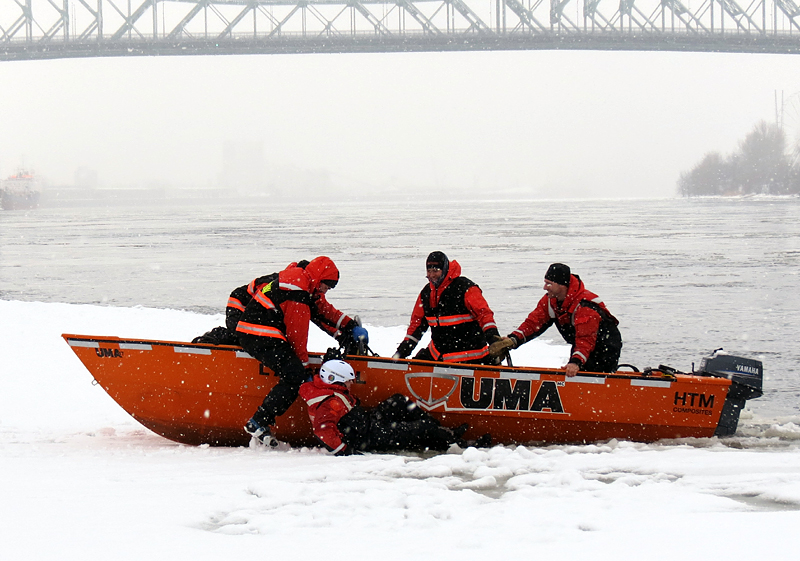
pixel 545 123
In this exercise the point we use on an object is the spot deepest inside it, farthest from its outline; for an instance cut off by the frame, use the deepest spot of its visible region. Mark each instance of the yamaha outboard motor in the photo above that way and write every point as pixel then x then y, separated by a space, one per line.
pixel 746 376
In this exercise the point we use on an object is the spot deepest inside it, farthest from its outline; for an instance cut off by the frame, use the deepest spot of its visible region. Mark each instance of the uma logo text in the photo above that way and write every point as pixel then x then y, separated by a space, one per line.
pixel 106 353
pixel 510 395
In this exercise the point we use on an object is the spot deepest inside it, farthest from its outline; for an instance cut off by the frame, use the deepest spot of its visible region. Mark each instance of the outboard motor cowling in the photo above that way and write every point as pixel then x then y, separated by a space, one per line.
pixel 746 376
pixel 745 372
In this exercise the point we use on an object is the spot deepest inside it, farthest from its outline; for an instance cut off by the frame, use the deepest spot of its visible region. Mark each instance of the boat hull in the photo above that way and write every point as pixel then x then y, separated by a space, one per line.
pixel 18 201
pixel 203 394
pixel 20 192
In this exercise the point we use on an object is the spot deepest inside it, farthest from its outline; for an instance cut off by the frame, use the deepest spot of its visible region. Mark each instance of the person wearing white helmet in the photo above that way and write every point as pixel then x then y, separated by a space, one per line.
pixel 337 372
pixel 344 427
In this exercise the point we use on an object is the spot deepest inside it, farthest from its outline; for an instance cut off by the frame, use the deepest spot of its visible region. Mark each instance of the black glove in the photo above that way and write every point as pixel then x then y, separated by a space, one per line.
pixel 345 333
pixel 405 348
pixel 332 354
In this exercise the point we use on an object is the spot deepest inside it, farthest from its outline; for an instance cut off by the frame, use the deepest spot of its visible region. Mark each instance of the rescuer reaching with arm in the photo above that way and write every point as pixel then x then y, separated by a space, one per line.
pixel 462 324
pixel 323 315
pixel 273 328
pixel 581 318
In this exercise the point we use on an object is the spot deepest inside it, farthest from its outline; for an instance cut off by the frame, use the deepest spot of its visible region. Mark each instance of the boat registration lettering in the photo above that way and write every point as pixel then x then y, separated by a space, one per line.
pixel 691 399
pixel 694 403
pixel 108 353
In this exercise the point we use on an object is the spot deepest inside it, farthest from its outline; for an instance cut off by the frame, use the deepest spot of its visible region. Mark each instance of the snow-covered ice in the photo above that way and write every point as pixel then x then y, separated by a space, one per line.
pixel 82 480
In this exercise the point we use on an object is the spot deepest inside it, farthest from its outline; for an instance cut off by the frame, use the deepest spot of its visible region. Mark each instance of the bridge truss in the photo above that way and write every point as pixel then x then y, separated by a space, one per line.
pixel 36 29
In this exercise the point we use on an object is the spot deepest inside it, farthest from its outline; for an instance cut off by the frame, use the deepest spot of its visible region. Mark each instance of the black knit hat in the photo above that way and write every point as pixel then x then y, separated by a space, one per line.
pixel 438 259
pixel 558 273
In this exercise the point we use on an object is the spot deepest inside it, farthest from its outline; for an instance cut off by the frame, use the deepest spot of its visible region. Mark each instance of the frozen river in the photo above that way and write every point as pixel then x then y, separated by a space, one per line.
pixel 683 276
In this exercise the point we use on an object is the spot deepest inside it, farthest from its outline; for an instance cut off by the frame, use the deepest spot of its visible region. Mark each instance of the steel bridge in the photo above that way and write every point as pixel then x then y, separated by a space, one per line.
pixel 40 29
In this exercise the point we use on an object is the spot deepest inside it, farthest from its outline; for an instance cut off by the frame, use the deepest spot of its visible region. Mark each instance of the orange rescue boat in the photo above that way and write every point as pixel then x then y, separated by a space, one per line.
pixel 204 394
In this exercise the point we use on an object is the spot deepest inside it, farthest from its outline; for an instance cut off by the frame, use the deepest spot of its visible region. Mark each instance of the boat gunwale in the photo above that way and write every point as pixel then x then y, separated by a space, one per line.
pixel 414 362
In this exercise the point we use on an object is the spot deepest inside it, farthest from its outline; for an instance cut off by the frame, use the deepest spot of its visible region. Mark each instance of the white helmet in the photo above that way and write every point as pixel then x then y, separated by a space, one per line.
pixel 335 371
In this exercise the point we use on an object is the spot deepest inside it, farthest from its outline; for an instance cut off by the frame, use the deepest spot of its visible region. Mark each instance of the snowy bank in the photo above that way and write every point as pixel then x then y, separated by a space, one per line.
pixel 84 480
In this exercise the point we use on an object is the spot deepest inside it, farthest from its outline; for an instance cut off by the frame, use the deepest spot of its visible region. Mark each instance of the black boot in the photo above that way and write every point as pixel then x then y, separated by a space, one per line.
pixel 458 434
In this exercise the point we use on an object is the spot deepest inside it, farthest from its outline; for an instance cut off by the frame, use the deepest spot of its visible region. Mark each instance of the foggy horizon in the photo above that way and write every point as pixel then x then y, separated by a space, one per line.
pixel 533 124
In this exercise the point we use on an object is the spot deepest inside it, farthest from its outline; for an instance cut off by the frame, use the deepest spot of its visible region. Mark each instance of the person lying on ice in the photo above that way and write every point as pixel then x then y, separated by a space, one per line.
pixel 462 324
pixel 581 318
pixel 344 427
pixel 274 329
pixel 323 315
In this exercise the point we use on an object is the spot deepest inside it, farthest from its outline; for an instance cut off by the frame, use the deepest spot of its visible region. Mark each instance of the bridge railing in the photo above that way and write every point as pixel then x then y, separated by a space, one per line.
pixel 39 25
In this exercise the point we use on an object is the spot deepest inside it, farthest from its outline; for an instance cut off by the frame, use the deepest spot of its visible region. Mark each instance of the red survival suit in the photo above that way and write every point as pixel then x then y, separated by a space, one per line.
pixel 323 314
pixel 584 322
pixel 344 427
pixel 327 404
pixel 274 328
pixel 461 321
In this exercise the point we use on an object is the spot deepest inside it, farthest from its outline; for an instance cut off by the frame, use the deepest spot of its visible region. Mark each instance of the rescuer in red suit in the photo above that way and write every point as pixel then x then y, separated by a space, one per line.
pixel 581 318
pixel 326 317
pixel 344 427
pixel 273 328
pixel 462 324
pixel 237 302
